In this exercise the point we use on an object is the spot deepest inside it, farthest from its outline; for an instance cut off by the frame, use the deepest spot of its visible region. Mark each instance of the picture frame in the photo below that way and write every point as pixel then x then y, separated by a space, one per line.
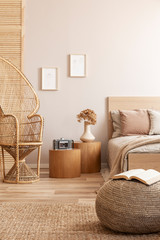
pixel 77 67
pixel 50 78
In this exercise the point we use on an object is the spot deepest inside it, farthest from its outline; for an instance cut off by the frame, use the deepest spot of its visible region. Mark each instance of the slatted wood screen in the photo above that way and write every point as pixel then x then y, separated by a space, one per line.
pixel 12 39
pixel 11 31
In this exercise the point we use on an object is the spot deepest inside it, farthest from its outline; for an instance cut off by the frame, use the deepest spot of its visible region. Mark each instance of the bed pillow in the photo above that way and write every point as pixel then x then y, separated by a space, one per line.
pixel 134 122
pixel 155 121
pixel 116 123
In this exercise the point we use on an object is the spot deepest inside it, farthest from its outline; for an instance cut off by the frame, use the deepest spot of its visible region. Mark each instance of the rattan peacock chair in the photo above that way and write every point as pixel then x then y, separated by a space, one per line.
pixel 20 126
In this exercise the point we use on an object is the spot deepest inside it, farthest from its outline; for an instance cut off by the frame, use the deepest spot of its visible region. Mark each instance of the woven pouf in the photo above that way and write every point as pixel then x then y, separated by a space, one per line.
pixel 129 206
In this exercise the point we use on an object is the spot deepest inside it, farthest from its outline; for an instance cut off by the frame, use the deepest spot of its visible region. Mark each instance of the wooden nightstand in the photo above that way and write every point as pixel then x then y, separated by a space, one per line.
pixel 90 156
pixel 65 163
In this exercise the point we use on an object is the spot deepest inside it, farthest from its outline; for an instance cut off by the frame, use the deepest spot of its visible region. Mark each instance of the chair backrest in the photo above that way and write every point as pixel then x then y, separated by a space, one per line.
pixel 17 95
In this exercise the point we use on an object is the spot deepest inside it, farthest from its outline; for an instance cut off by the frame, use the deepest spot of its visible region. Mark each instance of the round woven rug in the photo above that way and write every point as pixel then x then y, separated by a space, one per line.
pixel 56 221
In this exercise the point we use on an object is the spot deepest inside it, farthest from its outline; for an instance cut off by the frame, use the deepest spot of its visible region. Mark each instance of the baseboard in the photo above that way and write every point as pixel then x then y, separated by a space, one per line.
pixel 43 165
pixel 46 165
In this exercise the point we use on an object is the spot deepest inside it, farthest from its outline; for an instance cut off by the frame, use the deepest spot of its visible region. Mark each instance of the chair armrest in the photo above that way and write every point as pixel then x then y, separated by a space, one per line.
pixel 31 131
pixel 38 119
pixel 9 129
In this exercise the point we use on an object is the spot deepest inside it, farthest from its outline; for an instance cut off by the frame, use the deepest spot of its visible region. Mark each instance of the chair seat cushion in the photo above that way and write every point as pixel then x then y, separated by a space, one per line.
pixel 129 206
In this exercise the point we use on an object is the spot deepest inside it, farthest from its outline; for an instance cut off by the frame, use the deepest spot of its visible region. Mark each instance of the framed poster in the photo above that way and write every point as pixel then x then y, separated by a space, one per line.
pixel 50 79
pixel 77 65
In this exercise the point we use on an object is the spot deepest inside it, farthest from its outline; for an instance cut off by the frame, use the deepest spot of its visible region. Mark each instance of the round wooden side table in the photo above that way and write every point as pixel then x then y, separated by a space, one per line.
pixel 65 163
pixel 90 156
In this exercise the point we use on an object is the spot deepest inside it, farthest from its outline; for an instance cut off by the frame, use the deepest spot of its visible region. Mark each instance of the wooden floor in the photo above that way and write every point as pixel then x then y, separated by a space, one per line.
pixel 81 189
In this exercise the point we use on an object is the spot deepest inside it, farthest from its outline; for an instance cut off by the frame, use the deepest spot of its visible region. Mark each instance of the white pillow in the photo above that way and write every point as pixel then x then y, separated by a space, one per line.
pixel 155 122
pixel 116 123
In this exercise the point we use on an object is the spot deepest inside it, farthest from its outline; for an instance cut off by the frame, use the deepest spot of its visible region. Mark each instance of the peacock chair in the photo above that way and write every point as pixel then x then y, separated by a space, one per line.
pixel 20 126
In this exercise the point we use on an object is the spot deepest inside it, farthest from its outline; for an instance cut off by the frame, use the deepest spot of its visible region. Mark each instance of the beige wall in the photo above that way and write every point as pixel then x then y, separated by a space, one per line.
pixel 122 41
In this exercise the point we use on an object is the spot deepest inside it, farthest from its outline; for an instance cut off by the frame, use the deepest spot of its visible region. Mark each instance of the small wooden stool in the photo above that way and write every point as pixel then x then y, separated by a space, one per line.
pixel 90 156
pixel 65 163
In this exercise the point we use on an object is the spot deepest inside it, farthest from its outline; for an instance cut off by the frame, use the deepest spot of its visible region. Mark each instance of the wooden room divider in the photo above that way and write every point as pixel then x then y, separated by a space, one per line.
pixel 12 38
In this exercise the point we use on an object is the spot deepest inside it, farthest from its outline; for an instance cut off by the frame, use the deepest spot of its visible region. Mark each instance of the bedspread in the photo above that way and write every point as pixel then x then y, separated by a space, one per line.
pixel 118 151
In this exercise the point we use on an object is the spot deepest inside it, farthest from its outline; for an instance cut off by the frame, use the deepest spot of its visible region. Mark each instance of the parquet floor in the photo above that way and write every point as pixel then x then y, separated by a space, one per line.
pixel 81 189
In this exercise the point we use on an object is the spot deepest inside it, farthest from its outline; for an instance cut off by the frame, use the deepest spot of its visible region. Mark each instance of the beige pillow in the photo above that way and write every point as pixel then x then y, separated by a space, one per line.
pixel 155 121
pixel 116 123
pixel 134 122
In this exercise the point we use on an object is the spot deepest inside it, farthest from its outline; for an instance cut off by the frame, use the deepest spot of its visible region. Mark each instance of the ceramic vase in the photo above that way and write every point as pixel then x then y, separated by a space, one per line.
pixel 87 136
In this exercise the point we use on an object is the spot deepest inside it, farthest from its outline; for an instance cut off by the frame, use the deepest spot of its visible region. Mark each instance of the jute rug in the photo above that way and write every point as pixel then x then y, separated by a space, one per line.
pixel 56 221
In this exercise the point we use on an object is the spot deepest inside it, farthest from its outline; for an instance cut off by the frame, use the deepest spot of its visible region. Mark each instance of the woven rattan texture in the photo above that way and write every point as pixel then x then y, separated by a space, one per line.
pixel 26 173
pixel 20 126
pixel 16 95
pixel 129 206
pixel 56 221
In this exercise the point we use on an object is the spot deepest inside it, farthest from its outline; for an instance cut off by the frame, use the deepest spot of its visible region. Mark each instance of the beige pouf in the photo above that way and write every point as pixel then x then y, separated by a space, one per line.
pixel 129 206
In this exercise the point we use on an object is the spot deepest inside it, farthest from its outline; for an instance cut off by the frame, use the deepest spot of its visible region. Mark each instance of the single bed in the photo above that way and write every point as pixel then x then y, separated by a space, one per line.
pixel 142 156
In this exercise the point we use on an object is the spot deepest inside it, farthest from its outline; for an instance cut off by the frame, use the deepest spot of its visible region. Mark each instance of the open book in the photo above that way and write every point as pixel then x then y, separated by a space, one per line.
pixel 147 177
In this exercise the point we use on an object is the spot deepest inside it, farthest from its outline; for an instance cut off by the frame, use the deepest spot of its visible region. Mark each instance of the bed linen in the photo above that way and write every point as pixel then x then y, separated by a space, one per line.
pixel 118 149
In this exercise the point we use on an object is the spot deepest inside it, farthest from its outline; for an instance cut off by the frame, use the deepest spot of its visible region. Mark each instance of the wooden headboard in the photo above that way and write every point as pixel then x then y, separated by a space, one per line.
pixel 129 103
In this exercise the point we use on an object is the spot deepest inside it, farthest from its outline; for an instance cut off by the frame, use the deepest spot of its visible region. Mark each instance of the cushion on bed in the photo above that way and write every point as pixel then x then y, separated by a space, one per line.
pixel 116 123
pixel 134 122
pixel 155 121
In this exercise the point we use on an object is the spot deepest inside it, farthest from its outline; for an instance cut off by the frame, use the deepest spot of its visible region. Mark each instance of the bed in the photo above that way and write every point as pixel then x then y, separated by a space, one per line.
pixel 142 156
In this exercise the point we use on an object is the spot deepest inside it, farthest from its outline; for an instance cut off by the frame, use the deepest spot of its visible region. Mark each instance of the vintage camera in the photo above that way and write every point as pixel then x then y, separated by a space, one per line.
pixel 63 144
